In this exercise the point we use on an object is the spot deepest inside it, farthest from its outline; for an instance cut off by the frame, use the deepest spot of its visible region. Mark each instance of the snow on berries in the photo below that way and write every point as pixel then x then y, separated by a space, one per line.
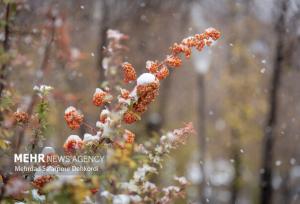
pixel 90 139
pixel 124 97
pixel 103 115
pixel 107 136
pixel 189 41
pixel 131 104
pixel 128 108
pixel 42 178
pixel 213 33
pixel 73 117
pixel 145 78
pixel 152 66
pixel 41 181
pixel 147 86
pixel 147 93
pixel 101 97
pixel 73 144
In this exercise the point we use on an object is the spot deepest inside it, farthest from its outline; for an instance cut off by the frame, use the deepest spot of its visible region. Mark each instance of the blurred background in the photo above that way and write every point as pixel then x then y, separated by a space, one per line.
pixel 242 94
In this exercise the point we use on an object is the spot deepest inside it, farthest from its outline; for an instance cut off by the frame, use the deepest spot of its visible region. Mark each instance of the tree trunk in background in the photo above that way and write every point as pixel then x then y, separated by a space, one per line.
pixel 5 48
pixel 237 164
pixel 235 134
pixel 103 40
pixel 202 133
pixel 268 142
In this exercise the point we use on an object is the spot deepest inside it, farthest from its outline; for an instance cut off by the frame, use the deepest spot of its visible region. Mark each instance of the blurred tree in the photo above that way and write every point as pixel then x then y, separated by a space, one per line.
pixel 289 148
pixel 240 111
pixel 104 23
pixel 4 55
pixel 268 142
pixel 202 63
pixel 5 44
pixel 19 135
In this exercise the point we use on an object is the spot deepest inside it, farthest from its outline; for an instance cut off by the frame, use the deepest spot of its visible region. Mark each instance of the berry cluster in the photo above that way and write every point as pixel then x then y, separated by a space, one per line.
pixel 73 117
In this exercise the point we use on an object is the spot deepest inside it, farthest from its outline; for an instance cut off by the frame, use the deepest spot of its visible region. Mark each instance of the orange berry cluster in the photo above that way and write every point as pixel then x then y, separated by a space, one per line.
pixel 130 117
pixel 129 72
pixel 181 48
pixel 73 118
pixel 72 145
pixel 199 41
pixel 173 61
pixel 40 182
pixel 21 116
pixel 152 66
pixel 162 73
pixel 146 93
pixel 101 97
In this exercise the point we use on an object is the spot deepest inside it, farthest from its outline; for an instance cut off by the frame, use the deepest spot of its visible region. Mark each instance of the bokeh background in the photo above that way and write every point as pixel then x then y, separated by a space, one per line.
pixel 226 90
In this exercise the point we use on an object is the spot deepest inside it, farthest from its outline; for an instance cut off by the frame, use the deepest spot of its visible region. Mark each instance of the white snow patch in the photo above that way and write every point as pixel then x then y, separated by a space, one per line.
pixel 36 196
pixel 73 137
pixel 99 124
pixel 135 198
pixel 114 34
pixel 98 90
pixel 90 138
pixel 105 112
pixel 145 78
pixel 121 199
pixel 106 194
pixel 70 109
